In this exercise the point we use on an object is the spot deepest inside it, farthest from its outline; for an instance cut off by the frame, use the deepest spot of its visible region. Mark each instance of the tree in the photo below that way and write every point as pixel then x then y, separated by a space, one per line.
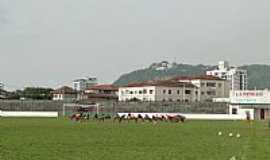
pixel 36 93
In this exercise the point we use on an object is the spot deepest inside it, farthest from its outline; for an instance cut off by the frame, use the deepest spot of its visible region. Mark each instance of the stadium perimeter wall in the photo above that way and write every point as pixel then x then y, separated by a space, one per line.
pixel 116 107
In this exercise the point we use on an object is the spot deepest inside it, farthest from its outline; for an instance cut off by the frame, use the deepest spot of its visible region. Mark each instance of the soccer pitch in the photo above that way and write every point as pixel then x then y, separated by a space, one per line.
pixel 63 139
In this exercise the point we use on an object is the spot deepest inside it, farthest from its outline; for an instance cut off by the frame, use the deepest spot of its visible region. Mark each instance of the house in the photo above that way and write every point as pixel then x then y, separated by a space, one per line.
pixel 238 78
pixel 208 87
pixel 64 93
pixel 159 91
pixel 101 92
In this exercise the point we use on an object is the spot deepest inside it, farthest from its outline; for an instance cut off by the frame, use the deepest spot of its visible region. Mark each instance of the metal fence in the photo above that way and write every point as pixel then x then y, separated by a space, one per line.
pixel 147 107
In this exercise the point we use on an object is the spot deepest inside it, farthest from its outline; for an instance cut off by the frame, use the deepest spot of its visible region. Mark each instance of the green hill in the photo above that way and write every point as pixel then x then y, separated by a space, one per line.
pixel 258 75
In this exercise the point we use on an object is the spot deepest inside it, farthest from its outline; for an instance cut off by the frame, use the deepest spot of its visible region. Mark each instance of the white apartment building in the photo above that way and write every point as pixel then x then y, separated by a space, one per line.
pixel 238 78
pixel 159 91
pixel 84 83
pixel 208 87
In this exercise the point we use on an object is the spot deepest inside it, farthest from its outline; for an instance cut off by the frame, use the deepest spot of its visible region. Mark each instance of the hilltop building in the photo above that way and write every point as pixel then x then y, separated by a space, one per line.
pixel 238 78
pixel 164 65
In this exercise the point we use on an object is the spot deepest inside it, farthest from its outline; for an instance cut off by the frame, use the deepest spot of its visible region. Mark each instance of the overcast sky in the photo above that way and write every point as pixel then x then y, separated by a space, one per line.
pixel 49 42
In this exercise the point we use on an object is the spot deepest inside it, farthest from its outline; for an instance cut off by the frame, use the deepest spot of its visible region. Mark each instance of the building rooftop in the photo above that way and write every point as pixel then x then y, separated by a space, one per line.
pixel 108 87
pixel 64 90
pixel 165 83
pixel 202 77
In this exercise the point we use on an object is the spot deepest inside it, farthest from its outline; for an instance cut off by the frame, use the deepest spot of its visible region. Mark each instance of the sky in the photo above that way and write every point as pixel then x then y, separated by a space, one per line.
pixel 52 42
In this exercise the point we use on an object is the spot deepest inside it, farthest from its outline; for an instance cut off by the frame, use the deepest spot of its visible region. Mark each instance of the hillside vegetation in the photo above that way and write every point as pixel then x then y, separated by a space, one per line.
pixel 258 75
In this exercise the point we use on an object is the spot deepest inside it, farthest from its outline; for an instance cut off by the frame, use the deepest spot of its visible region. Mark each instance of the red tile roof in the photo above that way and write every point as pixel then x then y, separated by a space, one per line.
pixel 102 96
pixel 64 90
pixel 104 87
pixel 165 83
pixel 202 77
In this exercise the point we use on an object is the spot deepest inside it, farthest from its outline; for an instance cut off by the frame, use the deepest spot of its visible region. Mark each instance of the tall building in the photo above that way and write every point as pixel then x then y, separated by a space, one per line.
pixel 238 78
pixel 84 83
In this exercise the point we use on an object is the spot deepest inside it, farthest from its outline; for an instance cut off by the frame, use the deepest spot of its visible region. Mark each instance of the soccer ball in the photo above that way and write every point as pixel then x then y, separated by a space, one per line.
pixel 220 133
pixel 233 158
pixel 238 135
pixel 231 134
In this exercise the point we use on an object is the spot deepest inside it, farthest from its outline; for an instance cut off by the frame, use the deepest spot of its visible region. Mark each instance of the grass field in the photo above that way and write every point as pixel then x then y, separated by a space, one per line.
pixel 52 139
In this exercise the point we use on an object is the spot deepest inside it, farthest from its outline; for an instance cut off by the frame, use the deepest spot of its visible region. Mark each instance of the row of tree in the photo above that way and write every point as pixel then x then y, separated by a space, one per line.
pixel 33 93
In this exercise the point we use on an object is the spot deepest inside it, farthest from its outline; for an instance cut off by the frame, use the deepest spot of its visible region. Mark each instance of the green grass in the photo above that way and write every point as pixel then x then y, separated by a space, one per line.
pixel 52 139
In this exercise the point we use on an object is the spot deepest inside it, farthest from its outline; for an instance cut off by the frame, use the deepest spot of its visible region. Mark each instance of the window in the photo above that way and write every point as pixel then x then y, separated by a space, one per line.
pixel 164 100
pixel 196 92
pixel 178 100
pixel 164 91
pixel 219 85
pixel 131 92
pixel 211 93
pixel 178 91
pixel 151 91
pixel 144 91
pixel 202 93
pixel 170 92
pixel 211 84
pixel 234 111
pixel 140 92
pixel 187 91
pixel 170 100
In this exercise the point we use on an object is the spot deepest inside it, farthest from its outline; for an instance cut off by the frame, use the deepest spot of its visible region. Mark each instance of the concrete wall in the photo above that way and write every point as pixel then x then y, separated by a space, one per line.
pixel 28 114
pixel 242 111
pixel 18 105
